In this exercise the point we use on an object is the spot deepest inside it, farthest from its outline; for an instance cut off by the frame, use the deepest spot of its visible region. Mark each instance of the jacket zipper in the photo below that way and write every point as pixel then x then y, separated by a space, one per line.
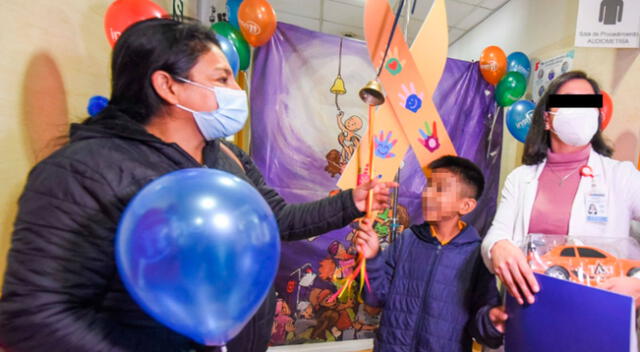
pixel 424 297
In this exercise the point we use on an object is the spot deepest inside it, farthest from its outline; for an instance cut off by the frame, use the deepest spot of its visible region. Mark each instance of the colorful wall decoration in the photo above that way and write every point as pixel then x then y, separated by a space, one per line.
pixel 306 123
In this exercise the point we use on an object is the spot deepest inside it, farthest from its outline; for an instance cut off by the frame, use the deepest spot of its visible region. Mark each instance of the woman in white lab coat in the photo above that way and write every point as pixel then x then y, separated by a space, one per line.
pixel 568 185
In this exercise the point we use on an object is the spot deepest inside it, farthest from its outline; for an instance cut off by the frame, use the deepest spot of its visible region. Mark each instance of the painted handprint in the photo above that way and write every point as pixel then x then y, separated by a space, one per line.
pixel 410 99
pixel 429 139
pixel 394 63
pixel 383 147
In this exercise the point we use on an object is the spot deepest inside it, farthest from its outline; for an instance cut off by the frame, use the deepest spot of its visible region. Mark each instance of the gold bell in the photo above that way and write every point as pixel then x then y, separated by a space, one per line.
pixel 338 86
pixel 371 93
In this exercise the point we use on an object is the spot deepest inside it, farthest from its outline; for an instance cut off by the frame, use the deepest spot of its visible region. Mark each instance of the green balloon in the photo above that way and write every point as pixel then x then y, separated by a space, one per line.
pixel 226 30
pixel 510 88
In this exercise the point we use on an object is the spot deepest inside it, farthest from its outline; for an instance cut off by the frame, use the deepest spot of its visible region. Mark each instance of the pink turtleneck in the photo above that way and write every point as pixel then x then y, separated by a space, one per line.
pixel 557 187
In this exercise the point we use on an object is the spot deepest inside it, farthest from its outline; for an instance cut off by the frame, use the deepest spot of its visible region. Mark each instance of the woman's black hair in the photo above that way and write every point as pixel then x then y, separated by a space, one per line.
pixel 149 46
pixel 538 141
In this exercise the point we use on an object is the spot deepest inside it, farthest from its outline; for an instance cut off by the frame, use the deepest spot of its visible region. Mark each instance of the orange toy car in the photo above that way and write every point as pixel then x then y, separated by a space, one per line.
pixel 582 264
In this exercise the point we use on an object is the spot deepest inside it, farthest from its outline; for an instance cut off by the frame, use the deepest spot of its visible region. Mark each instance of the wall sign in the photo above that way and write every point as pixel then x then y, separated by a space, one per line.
pixel 608 24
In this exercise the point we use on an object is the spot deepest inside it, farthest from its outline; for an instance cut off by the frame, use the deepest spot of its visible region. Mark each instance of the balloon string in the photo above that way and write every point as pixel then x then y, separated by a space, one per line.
pixel 493 124
pixel 348 282
pixel 361 263
pixel 360 267
pixel 346 289
pixel 363 276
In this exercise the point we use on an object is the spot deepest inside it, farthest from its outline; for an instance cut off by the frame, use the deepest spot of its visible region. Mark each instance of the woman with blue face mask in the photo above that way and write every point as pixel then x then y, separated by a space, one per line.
pixel 568 185
pixel 173 101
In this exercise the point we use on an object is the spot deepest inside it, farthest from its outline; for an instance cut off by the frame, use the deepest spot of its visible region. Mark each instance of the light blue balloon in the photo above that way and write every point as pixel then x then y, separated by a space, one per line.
pixel 230 52
pixel 519 119
pixel 232 12
pixel 198 250
pixel 519 62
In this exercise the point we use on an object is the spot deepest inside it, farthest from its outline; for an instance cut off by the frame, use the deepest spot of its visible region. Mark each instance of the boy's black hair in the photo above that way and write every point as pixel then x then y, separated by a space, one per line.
pixel 465 169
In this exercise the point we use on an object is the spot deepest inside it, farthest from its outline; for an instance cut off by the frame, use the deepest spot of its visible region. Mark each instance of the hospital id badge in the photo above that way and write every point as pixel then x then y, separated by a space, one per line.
pixel 596 205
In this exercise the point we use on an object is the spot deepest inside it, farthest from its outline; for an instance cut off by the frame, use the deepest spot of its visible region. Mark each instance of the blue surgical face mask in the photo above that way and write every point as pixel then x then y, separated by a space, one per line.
pixel 227 119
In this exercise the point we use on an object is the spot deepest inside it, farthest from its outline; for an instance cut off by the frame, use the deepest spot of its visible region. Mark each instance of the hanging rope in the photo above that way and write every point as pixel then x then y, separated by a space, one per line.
pixel 339 72
pixel 340 57
pixel 393 30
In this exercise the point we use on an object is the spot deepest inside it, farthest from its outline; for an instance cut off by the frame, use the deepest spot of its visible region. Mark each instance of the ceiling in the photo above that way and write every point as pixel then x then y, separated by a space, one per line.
pixel 342 17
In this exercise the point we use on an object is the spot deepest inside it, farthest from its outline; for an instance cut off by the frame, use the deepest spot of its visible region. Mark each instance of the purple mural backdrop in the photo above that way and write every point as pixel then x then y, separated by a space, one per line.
pixel 304 126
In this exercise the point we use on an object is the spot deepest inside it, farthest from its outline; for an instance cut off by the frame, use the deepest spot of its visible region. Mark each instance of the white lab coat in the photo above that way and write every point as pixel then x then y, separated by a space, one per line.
pixel 619 179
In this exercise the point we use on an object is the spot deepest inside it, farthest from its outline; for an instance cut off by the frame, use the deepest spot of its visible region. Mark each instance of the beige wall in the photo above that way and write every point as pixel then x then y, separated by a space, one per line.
pixel 54 57
pixel 618 72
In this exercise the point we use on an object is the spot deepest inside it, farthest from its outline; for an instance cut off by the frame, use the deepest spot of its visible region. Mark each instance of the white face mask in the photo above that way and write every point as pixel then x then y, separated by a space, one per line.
pixel 227 119
pixel 575 126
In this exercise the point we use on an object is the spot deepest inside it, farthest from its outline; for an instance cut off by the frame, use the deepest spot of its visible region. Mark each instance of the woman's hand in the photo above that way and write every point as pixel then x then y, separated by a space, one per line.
pixel 381 194
pixel 629 286
pixel 513 270
pixel 367 241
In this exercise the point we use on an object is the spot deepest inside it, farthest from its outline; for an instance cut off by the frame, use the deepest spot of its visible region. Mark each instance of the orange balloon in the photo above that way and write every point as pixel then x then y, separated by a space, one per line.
pixel 123 13
pixel 493 64
pixel 606 110
pixel 257 21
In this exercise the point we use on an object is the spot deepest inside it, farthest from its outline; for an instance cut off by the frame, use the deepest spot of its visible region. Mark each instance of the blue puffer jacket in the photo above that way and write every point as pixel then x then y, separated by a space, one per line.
pixel 435 297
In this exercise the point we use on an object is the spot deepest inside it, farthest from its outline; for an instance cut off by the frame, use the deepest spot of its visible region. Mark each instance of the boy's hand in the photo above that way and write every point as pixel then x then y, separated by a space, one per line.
pixel 498 318
pixel 367 241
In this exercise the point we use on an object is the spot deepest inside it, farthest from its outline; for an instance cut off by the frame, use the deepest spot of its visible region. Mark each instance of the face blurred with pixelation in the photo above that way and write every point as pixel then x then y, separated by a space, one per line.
pixel 443 196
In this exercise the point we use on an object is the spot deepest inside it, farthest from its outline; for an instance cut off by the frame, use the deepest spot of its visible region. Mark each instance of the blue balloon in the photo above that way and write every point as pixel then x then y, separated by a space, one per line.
pixel 198 249
pixel 519 119
pixel 519 62
pixel 232 12
pixel 230 52
pixel 96 104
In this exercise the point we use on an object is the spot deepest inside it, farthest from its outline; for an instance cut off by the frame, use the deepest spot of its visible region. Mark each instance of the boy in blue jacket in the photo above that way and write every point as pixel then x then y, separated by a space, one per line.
pixel 435 291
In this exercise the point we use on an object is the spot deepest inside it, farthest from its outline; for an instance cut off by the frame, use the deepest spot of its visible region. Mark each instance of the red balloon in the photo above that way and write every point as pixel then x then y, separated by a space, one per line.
pixel 123 13
pixel 257 21
pixel 606 110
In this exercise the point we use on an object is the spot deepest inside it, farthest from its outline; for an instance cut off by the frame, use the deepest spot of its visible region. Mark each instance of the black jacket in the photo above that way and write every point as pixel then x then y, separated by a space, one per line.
pixel 62 291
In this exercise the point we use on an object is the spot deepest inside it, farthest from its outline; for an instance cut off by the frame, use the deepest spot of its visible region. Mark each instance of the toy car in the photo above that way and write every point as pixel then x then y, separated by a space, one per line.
pixel 582 264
